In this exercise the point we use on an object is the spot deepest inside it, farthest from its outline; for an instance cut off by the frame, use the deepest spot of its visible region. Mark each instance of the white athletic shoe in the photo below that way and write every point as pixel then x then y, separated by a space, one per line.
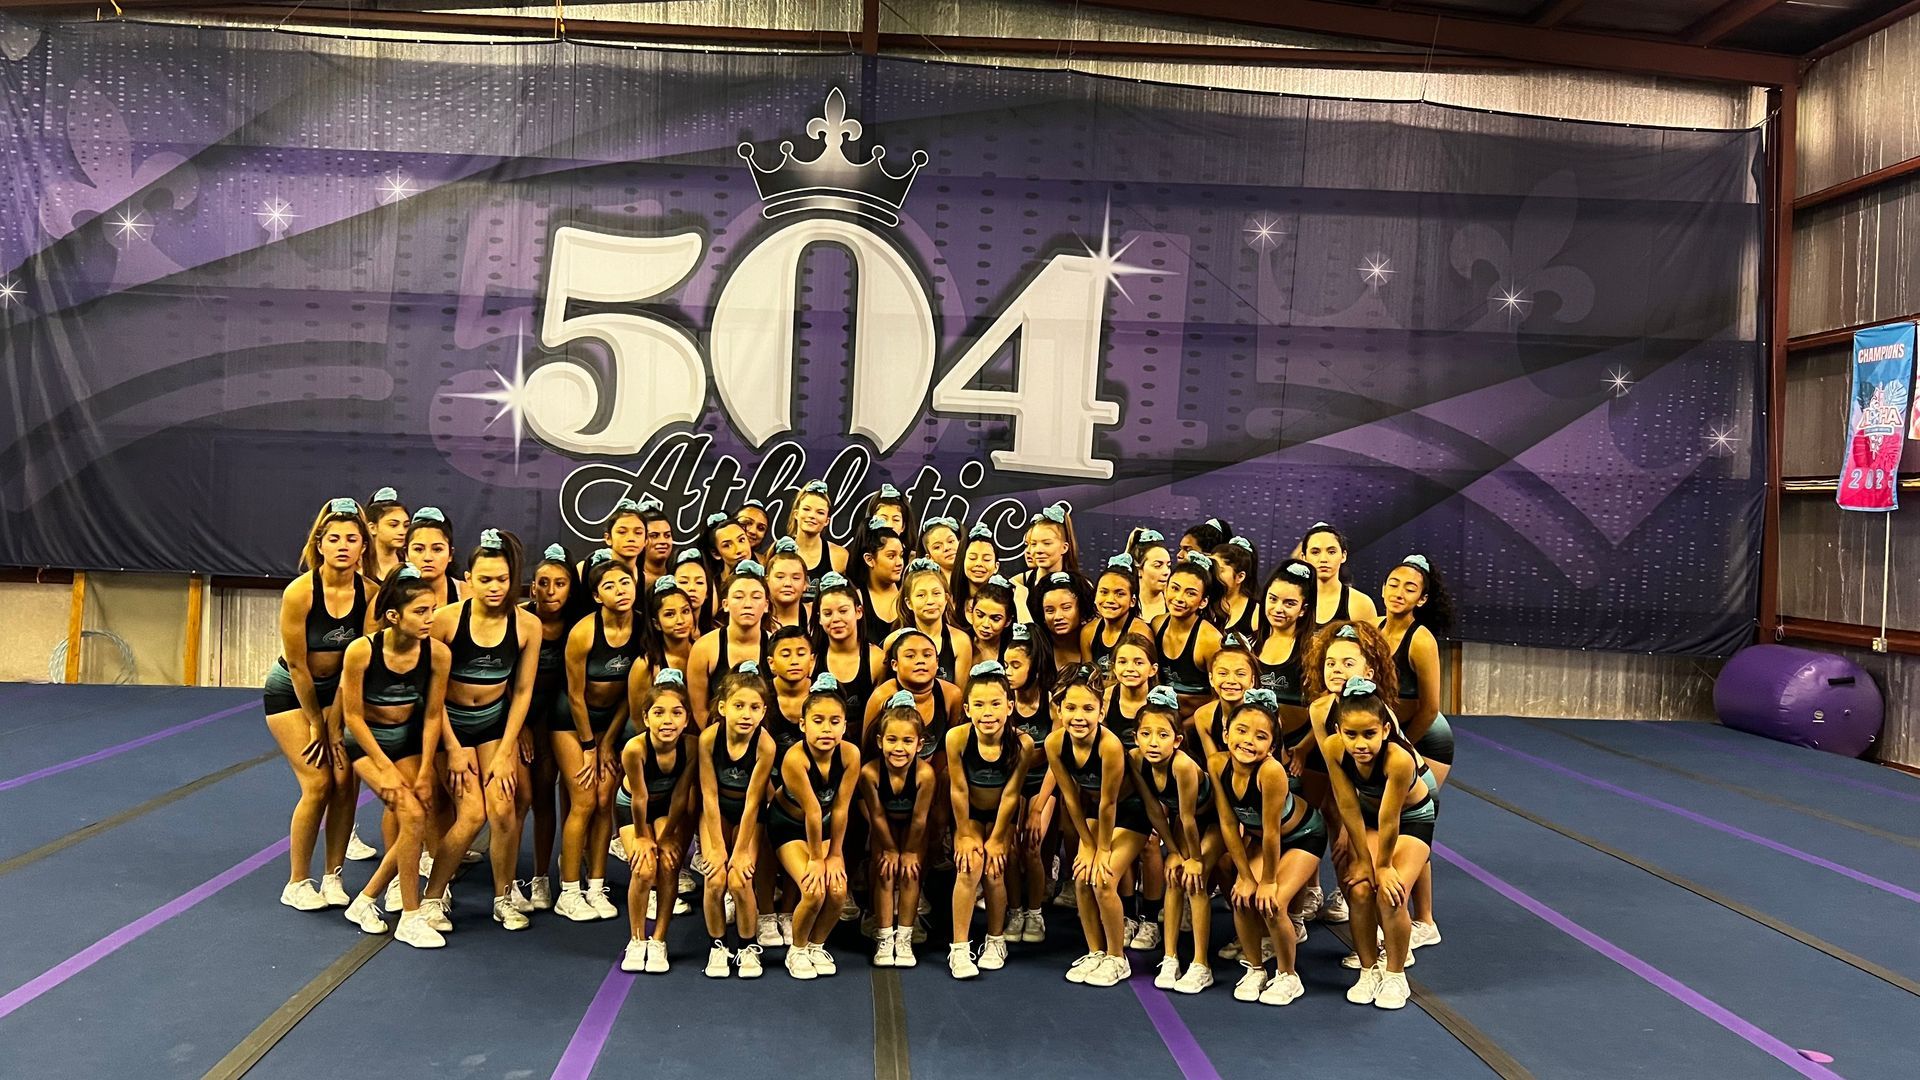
pixel 335 891
pixel 719 960
pixel 1393 992
pixel 784 921
pixel 415 931
pixel 1168 973
pixel 769 932
pixel 1367 987
pixel 509 916
pixel 426 865
pixel 850 912
pixel 540 894
pixel 1250 984
pixel 1146 935
pixel 520 902
pixel 1083 967
pixel 656 958
pixel 597 900
pixel 903 948
pixel 653 904
pixel 748 960
pixel 470 856
pixel 822 960
pixel 391 899
pixel 1424 934
pixel 365 914
pixel 1107 972
pixel 359 850
pixel 573 905
pixel 800 963
pixel 687 883
pixel 1300 931
pixel 302 896
pixel 1036 930
pixel 680 905
pixel 883 948
pixel 1121 967
pixel 617 848
pixel 635 958
pixel 1197 978
pixel 993 955
pixel 1334 910
pixel 1230 951
pixel 1282 989
pixel 1314 901
pixel 1128 926
pixel 960 961
pixel 726 910
pixel 434 910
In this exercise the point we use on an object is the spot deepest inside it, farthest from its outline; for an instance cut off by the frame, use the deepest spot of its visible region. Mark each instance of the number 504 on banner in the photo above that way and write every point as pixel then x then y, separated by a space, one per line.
pixel 1876 418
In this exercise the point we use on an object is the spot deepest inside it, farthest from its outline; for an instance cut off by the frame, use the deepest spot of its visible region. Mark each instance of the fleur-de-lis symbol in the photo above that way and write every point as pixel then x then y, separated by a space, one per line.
pixel 1525 269
pixel 834 128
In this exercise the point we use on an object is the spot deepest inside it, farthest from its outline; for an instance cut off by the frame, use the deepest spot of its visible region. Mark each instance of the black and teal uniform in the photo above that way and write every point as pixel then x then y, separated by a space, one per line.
pixel 1167 794
pixel 733 776
pixel 1181 672
pixel 1118 722
pixel 786 822
pixel 1309 832
pixel 607 664
pixel 1087 775
pixel 987 775
pixel 660 781
pixel 385 688
pixel 1436 743
pixel 482 665
pixel 1036 726
pixel 548 708
pixel 325 633
pixel 1416 818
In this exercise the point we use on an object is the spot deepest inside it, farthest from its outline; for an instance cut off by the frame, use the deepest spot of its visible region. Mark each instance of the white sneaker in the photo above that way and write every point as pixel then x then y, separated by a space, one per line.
pixel 573 905
pixel 391 900
pixel 1081 968
pixel 784 921
pixel 850 912
pixel 414 931
pixel 1145 936
pixel 719 960
pixel 365 914
pixel 470 856
pixel 1036 930
pixel 680 905
pixel 1197 978
pixel 653 904
pixel 302 896
pixel 748 959
pixel 1424 934
pixel 1168 974
pixel 540 894
pixel 960 961
pixel 800 963
pixel 434 910
pixel 617 848
pixel 1108 971
pixel 597 900
pixel 903 948
pixel 335 892
pixel 656 958
pixel 823 962
pixel 1367 987
pixel 359 850
pixel 1334 910
pixel 635 958
pixel 1250 984
pixel 1300 931
pixel 993 955
pixel 769 931
pixel 1315 900
pixel 1129 927
pixel 1121 967
pixel 883 948
pixel 1229 951
pixel 509 916
pixel 1282 989
pixel 1393 991
pixel 426 865
pixel 520 902
pixel 687 882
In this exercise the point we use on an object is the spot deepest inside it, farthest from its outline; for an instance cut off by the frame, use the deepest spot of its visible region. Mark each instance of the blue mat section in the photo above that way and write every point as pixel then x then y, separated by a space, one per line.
pixel 1798 756
pixel 77 720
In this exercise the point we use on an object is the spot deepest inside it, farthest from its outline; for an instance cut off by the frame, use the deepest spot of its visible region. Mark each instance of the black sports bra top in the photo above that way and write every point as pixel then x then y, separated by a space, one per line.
pixel 856 690
pixel 982 773
pixel 1403 663
pixel 1168 795
pixel 661 781
pixel 326 634
pixel 1371 790
pixel 899 803
pixel 734 776
pixel 383 686
pixel 551 674
pixel 725 661
pixel 936 733
pixel 1181 672
pixel 1249 806
pixel 1284 677
pixel 484 665
pixel 1119 723
pixel 1086 774
pixel 825 785
pixel 611 663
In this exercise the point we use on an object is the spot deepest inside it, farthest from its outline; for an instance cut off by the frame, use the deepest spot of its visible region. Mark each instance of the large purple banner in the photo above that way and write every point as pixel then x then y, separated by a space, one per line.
pixel 242 272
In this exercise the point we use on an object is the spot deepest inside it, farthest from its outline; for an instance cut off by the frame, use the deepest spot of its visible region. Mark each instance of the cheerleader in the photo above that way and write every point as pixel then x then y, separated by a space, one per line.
pixel 738 639
pixel 755 522
pixel 691 578
pixel 1152 562
pixel 894 512
pixel 925 608
pixel 940 541
pixel 655 826
pixel 790 664
pixel 1133 674
pixel 1236 566
pixel 979 562
pixel 736 760
pixel 1231 673
pixel 388 519
pixel 657 562
pixel 430 551
pixel 1183 639
pixel 843 651
pixel 671 614
pixel 1064 604
pixel 1050 549
pixel 786 585
pixel 988 761
pixel 1113 602
pixel 626 537
pixel 489 693
pixel 807 826
pixel 393 686
pixel 1089 768
pixel 723 545
pixel 897 788
pixel 881 561
pixel 300 690
pixel 1178 796
pixel 807 523
pixel 602 651
pixel 1339 651
pixel 1419 610
pixel 553 600
pixel 914 660
pixel 1030 674
pixel 1205 537
pixel 1325 548
pixel 988 614
pixel 1253 802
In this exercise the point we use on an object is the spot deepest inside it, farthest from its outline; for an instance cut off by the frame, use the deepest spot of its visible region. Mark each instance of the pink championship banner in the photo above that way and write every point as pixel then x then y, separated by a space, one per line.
pixel 1882 374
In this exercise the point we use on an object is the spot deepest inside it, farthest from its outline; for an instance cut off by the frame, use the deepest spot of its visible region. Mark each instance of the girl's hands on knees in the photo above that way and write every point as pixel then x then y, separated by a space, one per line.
pixel 1083 866
pixel 836 873
pixel 1267 899
pixel 1243 892
pixel 1390 886
pixel 910 865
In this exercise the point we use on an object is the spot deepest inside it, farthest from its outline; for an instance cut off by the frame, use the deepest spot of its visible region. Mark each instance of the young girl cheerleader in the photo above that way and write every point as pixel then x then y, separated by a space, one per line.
pixel 1051 549
pixel 1089 767
pixel 738 639
pixel 675 627
pixel 430 551
pixel 626 537
pixel 894 513
pixel 898 791
pixel 979 561
pixel 1184 639
pixel 1063 605
pixel 1152 562
pixel 843 651
pixel 656 560
pixel 807 826
pixel 940 541
pixel 388 519
pixel 1030 674
pixel 807 523
pixel 553 601
pixel 1133 675
pixel 300 691
pixel 1113 596
pixel 1274 839
pixel 1340 650
pixel 790 664
pixel 489 695
pixel 1419 610
pixel 925 608
pixel 1286 608
pixel 914 660
pixel 881 561
pixel 1231 673
pixel 1236 567
pixel 988 760
pixel 1204 537
pixel 753 519
pixel 723 544
pixel 988 615
pixel 1325 548
pixel 1386 798
pixel 736 760
pixel 786 585
pixel 691 578
pixel 602 651
pixel 393 686
pixel 655 805
pixel 1178 795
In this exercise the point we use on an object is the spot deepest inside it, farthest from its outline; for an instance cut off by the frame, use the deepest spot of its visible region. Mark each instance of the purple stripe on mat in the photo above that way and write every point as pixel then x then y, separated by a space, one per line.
pixel 1700 819
pixel 1660 980
pixel 112 751
pixel 1185 1049
pixel 583 1050
pixel 1774 761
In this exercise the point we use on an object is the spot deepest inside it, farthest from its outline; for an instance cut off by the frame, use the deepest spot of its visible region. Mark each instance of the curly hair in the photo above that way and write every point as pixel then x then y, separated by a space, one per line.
pixel 1373 646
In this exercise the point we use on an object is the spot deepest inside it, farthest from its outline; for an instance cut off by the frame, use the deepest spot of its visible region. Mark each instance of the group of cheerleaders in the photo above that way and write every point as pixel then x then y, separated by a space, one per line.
pixel 814 729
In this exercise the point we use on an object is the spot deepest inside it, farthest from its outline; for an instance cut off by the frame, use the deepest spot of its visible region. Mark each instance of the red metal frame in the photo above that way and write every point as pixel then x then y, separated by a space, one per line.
pixel 1782 158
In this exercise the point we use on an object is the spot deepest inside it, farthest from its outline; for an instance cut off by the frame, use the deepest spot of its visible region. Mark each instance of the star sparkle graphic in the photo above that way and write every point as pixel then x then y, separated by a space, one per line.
pixel 395 187
pixel 1721 440
pixel 1512 301
pixel 274 215
pixel 1108 261
pixel 1377 270
pixel 130 224
pixel 10 291
pixel 512 395
pixel 1618 382
pixel 1263 231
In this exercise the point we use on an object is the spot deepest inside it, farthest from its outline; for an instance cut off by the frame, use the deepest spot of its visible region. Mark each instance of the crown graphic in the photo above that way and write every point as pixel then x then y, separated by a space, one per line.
pixel 833 181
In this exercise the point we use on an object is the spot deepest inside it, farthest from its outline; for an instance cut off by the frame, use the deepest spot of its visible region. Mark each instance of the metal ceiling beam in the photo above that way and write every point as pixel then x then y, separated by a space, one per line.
pixel 1725 19
pixel 1552 12
pixel 1565 48
pixel 1866 29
